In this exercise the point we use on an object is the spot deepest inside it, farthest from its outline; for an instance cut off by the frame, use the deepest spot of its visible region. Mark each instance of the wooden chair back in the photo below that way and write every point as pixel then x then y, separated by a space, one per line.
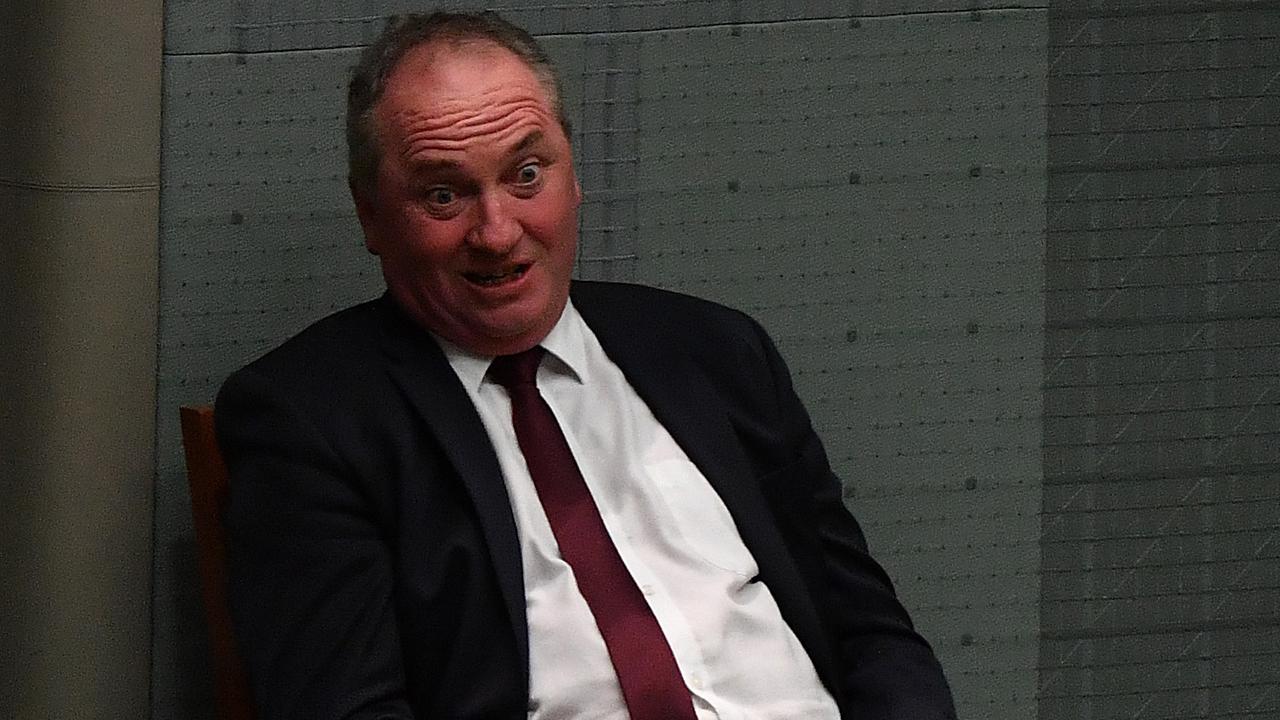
pixel 207 477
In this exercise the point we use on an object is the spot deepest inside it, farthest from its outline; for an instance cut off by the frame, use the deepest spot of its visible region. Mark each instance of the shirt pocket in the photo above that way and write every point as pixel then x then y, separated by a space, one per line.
pixel 700 518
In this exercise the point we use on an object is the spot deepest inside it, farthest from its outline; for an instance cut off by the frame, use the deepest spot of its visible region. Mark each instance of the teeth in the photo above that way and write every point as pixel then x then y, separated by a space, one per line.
pixel 497 278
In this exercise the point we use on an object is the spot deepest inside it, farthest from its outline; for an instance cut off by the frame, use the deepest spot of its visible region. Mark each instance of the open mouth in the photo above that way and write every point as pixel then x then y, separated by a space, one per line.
pixel 500 278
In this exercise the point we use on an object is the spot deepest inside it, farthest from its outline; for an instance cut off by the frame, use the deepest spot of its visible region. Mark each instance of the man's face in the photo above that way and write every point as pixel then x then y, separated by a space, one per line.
pixel 475 213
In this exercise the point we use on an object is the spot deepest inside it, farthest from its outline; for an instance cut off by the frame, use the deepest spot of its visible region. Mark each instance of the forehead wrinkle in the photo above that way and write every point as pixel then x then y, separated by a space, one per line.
pixel 483 105
pixel 496 131
pixel 464 115
pixel 493 134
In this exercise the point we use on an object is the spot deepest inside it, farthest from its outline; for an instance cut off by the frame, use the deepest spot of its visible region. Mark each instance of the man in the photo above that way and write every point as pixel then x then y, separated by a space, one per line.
pixel 641 525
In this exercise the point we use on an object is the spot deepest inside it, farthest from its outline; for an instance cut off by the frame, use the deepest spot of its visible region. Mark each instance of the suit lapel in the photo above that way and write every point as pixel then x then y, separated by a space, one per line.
pixel 682 398
pixel 421 370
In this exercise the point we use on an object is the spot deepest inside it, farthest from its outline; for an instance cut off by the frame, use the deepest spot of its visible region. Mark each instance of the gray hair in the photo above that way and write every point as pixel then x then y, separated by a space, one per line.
pixel 406 32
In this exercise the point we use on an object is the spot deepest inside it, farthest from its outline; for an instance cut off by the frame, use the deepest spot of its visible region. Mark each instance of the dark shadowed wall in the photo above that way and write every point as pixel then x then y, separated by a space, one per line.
pixel 1161 525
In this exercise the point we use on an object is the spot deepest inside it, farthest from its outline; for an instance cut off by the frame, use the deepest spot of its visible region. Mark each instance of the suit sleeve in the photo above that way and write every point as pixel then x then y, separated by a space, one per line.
pixel 310 573
pixel 887 670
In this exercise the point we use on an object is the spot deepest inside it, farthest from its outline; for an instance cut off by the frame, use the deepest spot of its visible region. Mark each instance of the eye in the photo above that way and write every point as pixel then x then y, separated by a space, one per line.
pixel 441 197
pixel 443 202
pixel 529 173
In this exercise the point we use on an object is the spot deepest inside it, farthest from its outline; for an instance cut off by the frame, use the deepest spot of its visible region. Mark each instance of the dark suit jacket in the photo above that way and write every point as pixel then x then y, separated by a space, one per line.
pixel 375 567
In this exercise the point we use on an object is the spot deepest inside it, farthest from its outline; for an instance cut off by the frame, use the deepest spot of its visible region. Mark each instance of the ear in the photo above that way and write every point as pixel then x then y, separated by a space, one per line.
pixel 367 213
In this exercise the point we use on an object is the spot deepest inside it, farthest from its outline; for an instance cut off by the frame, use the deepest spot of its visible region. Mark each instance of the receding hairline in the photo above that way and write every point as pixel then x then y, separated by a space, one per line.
pixel 430 64
pixel 431 51
pixel 432 35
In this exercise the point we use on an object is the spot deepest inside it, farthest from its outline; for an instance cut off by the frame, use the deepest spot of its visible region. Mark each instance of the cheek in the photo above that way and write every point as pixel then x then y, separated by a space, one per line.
pixel 558 236
pixel 426 241
pixel 557 222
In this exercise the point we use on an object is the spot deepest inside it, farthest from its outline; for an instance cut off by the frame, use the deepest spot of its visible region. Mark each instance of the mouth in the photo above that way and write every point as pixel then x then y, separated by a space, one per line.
pixel 495 279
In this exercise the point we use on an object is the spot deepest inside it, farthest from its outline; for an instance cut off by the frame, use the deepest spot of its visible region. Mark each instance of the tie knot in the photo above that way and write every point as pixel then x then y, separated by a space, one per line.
pixel 519 369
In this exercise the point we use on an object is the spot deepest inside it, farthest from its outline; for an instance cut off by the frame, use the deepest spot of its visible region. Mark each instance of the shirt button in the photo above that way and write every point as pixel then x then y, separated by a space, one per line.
pixel 696 681
pixel 646 589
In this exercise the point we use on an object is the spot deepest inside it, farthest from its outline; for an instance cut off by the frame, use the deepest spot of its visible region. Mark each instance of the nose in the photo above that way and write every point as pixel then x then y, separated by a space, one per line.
pixel 496 230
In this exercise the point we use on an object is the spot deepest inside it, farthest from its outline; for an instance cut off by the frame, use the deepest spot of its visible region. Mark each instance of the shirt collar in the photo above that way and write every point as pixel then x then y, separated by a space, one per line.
pixel 565 345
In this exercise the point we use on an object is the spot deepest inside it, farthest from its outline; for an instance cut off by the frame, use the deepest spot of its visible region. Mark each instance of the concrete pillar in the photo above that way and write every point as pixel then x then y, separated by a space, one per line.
pixel 79 197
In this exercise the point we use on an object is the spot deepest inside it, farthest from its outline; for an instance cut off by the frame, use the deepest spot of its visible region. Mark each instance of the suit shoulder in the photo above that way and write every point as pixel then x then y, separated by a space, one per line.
pixel 715 336
pixel 667 308
pixel 335 372
pixel 331 339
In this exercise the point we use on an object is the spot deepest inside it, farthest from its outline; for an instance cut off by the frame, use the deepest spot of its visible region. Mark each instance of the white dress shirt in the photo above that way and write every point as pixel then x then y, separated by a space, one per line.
pixel 738 657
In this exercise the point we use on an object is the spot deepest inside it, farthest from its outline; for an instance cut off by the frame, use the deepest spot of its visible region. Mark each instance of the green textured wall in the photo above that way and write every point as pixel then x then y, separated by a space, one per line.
pixel 1020 257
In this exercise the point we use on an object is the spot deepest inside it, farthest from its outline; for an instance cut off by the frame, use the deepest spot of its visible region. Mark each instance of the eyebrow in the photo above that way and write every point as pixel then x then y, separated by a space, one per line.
pixel 434 166
pixel 528 141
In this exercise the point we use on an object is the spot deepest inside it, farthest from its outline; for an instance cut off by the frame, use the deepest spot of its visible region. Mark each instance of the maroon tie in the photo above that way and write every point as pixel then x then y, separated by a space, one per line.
pixel 646 669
